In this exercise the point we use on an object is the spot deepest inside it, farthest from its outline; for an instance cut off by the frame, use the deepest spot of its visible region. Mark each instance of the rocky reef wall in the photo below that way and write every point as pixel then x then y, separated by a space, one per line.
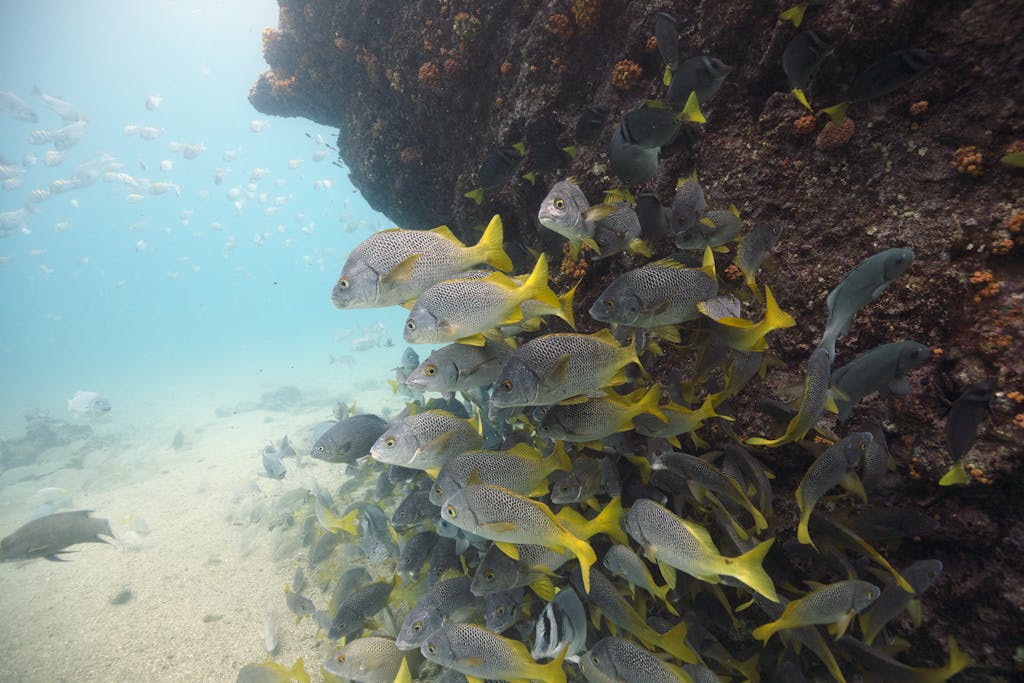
pixel 422 92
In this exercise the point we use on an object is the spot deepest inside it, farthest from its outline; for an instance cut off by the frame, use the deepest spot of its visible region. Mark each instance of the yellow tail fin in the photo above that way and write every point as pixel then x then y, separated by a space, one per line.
pixel 490 249
pixel 536 286
pixel 565 306
pixel 609 522
pixel 554 670
pixel 837 112
pixel 674 643
pixel 775 317
pixel 747 568
pixel 691 111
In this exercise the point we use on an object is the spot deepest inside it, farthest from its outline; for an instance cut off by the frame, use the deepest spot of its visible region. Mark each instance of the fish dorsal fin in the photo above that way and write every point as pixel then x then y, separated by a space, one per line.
pixel 445 232
pixel 523 450
pixel 605 335
pixel 401 272
pixel 668 262
pixel 474 478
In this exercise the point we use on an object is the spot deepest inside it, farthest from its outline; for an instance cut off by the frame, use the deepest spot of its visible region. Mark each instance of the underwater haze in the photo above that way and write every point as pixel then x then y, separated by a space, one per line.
pixel 116 289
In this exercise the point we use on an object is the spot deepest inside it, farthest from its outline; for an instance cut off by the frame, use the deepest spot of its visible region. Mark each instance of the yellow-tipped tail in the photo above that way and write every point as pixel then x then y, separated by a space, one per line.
pixel 476 195
pixel 837 112
pixel 775 317
pixel 956 476
pixel 490 249
pixel 801 98
pixel 565 303
pixel 674 643
pixel 747 568
pixel 691 111
pixel 609 522
pixel 585 554
pixel 536 286
pixel 795 14
pixel 553 671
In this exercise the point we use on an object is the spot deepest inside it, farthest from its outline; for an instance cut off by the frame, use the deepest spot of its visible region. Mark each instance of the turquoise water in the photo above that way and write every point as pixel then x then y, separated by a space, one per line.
pixel 167 294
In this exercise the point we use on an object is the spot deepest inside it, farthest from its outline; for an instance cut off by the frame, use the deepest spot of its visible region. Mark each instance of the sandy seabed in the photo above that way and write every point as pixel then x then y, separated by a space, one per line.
pixel 198 605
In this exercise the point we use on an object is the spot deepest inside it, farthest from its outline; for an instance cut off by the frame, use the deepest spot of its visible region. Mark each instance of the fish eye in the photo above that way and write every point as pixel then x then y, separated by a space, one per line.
pixel 500 611
pixel 343 283
pixel 418 626
pixel 410 325
pixel 340 658
pixel 389 442
pixel 320 449
pixel 451 511
pixel 430 648
pixel 430 370
pixel 506 384
pixel 608 303
pixel 597 661
pixel 437 489
pixel 489 575
pixel 559 203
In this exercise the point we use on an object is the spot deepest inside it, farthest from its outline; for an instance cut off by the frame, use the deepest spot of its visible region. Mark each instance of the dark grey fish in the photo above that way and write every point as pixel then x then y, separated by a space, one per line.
pixel 865 283
pixel 703 75
pixel 894 600
pixel 589 477
pixel 360 605
pixel 803 57
pixel 349 580
pixel 414 509
pixel 618 232
pixel 415 553
pixel 499 168
pixel 883 369
pixel 618 659
pixel 502 609
pixel 632 163
pixel 889 73
pixel 323 547
pixel 377 536
pixel 179 440
pixel 443 558
pixel 590 123
pixel 48 536
pixel 299 605
pixel 965 415
pixel 449 598
pixel 666 32
pixel 688 207
pixel 298 580
pixel 650 212
pixel 881 525
pixel 349 439
pixel 651 126
pixel 876 460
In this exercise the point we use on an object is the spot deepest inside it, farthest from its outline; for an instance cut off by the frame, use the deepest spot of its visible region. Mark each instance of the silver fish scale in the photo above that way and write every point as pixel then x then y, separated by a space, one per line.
pixel 591 417
pixel 688 205
pixel 491 504
pixel 448 595
pixel 755 246
pixel 819 370
pixel 433 423
pixel 467 303
pixel 837 599
pixel 829 468
pixel 473 642
pixel 497 468
pixel 622 561
pixel 585 354
pixel 631 662
pixel 686 287
pixel 385 250
pixel 622 222
pixel 658 524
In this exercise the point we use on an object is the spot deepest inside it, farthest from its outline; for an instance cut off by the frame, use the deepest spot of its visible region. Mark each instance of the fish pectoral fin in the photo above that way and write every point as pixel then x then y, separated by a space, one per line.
pixel 839 628
pixel 508 548
pixel 473 340
pixel 560 370
pixel 900 386
pixel 400 273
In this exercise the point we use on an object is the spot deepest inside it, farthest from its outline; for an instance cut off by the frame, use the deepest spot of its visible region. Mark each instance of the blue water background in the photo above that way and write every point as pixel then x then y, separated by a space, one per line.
pixel 89 307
